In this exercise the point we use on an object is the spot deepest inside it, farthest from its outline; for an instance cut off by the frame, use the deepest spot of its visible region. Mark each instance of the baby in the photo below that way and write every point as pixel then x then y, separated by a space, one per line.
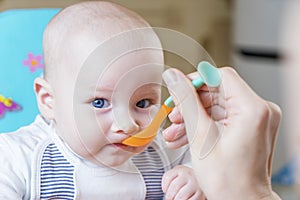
pixel 101 84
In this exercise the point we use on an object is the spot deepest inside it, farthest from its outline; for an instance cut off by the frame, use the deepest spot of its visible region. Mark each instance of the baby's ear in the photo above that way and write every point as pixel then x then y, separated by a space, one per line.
pixel 44 96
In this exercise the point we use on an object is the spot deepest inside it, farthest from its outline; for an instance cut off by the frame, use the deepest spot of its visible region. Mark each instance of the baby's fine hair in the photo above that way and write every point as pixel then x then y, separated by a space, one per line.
pixel 96 19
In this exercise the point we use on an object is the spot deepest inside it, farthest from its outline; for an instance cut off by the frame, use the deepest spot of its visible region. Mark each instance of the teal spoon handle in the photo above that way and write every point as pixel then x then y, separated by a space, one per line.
pixel 209 75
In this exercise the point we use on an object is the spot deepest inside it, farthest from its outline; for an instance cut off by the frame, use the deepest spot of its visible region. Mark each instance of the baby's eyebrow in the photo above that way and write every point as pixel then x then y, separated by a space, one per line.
pixel 148 89
pixel 151 90
pixel 102 87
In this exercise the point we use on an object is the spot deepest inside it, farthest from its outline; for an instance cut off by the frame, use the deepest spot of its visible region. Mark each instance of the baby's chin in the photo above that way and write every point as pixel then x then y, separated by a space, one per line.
pixel 113 162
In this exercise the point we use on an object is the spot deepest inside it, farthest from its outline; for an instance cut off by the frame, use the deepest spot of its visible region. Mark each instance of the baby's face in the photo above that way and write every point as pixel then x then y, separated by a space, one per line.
pixel 109 105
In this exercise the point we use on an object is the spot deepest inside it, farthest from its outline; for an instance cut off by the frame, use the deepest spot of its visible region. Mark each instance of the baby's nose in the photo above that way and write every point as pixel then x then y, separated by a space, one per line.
pixel 124 124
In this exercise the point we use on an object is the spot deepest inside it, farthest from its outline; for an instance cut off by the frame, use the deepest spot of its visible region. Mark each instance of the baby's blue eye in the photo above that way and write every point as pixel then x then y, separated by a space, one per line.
pixel 145 103
pixel 100 103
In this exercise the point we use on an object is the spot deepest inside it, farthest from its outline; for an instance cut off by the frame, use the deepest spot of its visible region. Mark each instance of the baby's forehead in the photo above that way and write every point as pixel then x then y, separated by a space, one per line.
pixel 107 66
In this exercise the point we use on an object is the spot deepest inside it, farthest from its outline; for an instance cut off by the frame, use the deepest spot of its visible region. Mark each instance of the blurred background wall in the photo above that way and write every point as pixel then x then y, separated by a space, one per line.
pixel 241 33
pixel 207 21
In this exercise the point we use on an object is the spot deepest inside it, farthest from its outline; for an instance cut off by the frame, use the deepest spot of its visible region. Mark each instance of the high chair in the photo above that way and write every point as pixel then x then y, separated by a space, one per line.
pixel 21 61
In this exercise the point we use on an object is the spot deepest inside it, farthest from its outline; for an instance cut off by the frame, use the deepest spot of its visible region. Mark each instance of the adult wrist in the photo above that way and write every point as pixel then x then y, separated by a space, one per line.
pixel 237 192
pixel 244 196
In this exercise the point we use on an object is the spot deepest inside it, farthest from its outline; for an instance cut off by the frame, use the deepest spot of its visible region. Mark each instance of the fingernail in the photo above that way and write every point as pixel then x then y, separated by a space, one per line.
pixel 170 77
pixel 172 115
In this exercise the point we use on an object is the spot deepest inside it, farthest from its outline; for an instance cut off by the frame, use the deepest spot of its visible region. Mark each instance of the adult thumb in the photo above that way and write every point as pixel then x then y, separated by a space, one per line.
pixel 196 119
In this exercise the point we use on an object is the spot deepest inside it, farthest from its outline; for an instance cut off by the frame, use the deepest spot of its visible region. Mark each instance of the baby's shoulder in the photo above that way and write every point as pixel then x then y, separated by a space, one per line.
pixel 26 139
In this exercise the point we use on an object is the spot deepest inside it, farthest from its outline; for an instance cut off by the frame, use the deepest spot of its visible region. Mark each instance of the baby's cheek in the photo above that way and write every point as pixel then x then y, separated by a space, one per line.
pixel 90 135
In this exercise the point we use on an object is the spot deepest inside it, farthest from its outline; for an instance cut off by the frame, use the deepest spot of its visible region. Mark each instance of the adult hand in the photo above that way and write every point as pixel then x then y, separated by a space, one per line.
pixel 175 135
pixel 239 125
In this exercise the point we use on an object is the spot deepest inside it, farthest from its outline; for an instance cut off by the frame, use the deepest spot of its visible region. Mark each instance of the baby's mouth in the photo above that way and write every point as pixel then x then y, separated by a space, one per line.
pixel 120 145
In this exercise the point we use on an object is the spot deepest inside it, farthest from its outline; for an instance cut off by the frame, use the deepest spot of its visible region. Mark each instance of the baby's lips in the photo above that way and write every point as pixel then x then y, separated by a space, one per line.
pixel 117 137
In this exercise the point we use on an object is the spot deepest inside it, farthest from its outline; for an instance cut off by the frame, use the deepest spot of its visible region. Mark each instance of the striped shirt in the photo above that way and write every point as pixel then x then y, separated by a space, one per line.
pixel 57 175
pixel 151 167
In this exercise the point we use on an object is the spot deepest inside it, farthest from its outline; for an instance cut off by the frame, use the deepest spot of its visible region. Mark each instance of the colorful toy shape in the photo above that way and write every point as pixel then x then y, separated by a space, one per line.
pixel 33 62
pixel 8 105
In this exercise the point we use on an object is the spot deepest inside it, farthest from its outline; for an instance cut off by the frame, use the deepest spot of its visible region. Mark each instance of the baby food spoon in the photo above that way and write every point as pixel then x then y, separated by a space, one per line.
pixel 209 75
